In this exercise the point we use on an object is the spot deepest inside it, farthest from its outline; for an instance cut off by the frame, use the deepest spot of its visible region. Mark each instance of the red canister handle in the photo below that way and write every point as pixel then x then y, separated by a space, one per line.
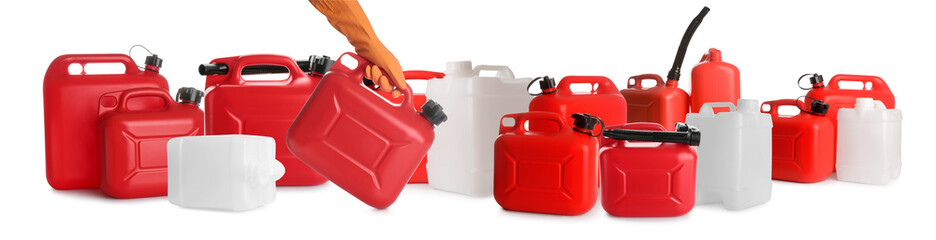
pixel 521 118
pixel 264 59
pixel 877 84
pixel 357 75
pixel 62 62
pixel 775 104
pixel 605 86
pixel 638 80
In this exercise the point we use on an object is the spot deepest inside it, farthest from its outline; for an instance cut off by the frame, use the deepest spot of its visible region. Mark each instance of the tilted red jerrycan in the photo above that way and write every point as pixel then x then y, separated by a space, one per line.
pixel 663 103
pixel 361 141
pixel 71 112
pixel 602 100
pixel 838 96
pixel 803 144
pixel 546 172
pixel 655 178
pixel 714 81
pixel 133 138
pixel 235 105
pixel 419 99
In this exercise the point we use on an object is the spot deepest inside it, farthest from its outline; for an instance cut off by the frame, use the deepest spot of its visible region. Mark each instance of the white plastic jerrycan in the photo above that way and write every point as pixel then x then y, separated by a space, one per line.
pixel 734 161
pixel 868 149
pixel 223 172
pixel 461 159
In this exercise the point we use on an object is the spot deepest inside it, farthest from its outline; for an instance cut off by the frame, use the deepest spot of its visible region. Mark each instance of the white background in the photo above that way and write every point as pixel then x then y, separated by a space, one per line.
pixel 772 44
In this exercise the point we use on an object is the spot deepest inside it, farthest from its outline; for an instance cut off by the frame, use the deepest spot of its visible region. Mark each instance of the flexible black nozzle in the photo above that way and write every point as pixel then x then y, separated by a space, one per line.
pixel 684 134
pixel 317 65
pixel 684 44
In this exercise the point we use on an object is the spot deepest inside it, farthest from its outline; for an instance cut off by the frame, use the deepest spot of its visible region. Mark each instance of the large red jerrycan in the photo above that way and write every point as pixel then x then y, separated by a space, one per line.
pixel 714 81
pixel 664 103
pixel 602 100
pixel 647 179
pixel 235 105
pixel 803 144
pixel 133 138
pixel 361 141
pixel 71 112
pixel 419 99
pixel 545 171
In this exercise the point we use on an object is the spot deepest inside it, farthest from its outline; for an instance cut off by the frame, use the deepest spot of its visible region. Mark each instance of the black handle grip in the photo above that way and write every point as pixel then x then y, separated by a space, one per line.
pixel 681 53
pixel 315 65
pixel 688 135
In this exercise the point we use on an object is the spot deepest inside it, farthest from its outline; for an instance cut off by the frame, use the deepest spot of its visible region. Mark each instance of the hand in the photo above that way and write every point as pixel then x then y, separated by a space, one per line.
pixel 383 62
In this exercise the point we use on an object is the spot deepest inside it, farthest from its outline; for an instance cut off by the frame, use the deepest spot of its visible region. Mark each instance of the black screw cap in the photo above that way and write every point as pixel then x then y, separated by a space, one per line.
pixel 432 111
pixel 584 121
pixel 189 95
pixel 819 107
pixel 320 64
pixel 153 60
pixel 547 83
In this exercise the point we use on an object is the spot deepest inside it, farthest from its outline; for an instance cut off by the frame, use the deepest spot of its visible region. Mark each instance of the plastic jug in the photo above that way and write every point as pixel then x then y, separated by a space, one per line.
pixel 714 81
pixel 419 99
pixel 734 156
pixel 223 172
pixel 803 144
pixel 648 179
pixel 460 159
pixel 71 113
pixel 234 105
pixel 838 96
pixel 546 172
pixel 358 139
pixel 133 140
pixel 663 103
pixel 868 143
pixel 603 100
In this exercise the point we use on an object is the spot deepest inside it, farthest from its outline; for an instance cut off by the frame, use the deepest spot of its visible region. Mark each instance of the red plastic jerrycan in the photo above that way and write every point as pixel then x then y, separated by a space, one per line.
pixel 803 144
pixel 601 100
pixel 551 172
pixel 664 103
pixel 133 138
pixel 714 81
pixel 361 141
pixel 419 99
pixel 71 112
pixel 648 179
pixel 235 105
pixel 838 97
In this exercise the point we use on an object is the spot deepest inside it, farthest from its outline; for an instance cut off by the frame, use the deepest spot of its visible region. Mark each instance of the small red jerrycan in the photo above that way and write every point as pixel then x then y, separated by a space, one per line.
pixel 601 100
pixel 714 81
pixel 647 171
pixel 551 172
pixel 664 103
pixel 133 138
pixel 364 143
pixel 419 99
pixel 70 101
pixel 235 105
pixel 803 144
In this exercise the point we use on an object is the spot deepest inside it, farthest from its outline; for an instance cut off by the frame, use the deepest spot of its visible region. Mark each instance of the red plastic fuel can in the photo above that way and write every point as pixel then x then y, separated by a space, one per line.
pixel 603 100
pixel 803 144
pixel 133 138
pixel 664 103
pixel 361 141
pixel 234 105
pixel 714 81
pixel 419 99
pixel 646 179
pixel 71 113
pixel 551 172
